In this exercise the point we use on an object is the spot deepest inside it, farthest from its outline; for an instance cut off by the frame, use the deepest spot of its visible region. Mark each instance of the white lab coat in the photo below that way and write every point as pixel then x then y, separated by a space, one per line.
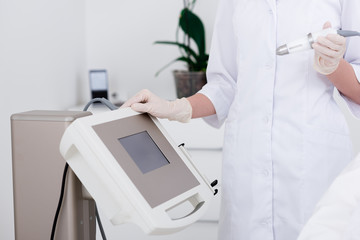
pixel 337 215
pixel 285 137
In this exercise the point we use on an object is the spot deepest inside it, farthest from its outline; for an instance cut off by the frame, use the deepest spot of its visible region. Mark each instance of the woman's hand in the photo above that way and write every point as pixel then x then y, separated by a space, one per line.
pixel 145 101
pixel 329 51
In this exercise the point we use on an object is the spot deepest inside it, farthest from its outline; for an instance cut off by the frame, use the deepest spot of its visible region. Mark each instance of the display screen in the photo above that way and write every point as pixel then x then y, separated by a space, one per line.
pixel 144 152
pixel 98 80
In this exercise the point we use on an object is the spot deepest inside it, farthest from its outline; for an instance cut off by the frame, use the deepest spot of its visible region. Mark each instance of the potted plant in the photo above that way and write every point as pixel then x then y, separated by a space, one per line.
pixel 190 81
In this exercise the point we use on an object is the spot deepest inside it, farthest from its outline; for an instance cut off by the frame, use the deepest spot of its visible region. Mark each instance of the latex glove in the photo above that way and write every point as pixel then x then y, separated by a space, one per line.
pixel 329 51
pixel 145 101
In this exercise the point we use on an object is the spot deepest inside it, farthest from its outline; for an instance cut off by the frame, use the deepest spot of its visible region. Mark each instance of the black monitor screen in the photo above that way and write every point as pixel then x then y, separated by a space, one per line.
pixel 144 152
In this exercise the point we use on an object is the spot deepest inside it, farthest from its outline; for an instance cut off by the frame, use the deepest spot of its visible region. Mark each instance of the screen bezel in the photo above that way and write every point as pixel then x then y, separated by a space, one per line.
pixel 156 186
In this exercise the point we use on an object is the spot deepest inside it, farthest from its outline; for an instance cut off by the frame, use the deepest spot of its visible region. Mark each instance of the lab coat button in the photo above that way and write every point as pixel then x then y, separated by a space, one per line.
pixel 266 173
pixel 266 120
pixel 266 222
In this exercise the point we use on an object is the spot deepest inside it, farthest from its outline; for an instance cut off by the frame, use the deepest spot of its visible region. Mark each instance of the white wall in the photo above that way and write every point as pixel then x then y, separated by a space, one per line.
pixel 42 63
pixel 120 37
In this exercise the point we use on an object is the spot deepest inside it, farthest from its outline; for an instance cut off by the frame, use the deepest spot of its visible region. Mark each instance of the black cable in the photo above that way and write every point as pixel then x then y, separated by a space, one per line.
pixel 99 223
pixel 111 107
pixel 60 202
pixel 104 101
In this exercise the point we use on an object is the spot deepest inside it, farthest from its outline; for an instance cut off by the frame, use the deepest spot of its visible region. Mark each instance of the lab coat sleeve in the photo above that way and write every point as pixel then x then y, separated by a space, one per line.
pixel 350 20
pixel 221 71
pixel 352 232
pixel 337 215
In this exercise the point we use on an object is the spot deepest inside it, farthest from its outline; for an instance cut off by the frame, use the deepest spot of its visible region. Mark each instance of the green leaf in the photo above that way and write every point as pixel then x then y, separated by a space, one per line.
pixel 186 48
pixel 192 25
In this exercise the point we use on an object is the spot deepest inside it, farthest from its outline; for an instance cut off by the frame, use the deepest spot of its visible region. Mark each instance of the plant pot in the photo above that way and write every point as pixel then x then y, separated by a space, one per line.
pixel 188 83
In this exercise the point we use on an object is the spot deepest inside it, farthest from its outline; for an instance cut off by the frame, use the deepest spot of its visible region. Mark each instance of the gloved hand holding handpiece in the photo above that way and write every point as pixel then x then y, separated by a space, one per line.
pixel 329 45
pixel 328 51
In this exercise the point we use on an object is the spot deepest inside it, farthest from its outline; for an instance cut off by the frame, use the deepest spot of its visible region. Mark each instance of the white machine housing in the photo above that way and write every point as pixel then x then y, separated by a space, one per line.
pixel 123 192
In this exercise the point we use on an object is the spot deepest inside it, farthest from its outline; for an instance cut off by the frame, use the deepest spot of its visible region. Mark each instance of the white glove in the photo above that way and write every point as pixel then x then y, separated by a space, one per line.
pixel 329 51
pixel 145 101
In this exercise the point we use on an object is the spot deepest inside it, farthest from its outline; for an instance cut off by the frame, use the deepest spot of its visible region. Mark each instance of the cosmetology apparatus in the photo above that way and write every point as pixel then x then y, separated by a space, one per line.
pixel 123 160
pixel 134 171
pixel 305 43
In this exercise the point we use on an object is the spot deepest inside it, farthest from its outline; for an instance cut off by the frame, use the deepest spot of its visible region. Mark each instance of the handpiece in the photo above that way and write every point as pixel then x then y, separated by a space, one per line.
pixel 305 43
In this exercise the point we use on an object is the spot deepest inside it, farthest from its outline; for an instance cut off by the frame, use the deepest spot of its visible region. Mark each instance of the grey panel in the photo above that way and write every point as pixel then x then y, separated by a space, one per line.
pixel 161 184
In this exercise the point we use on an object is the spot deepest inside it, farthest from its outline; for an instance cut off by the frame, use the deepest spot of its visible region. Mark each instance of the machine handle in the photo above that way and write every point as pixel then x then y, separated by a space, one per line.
pixel 197 207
